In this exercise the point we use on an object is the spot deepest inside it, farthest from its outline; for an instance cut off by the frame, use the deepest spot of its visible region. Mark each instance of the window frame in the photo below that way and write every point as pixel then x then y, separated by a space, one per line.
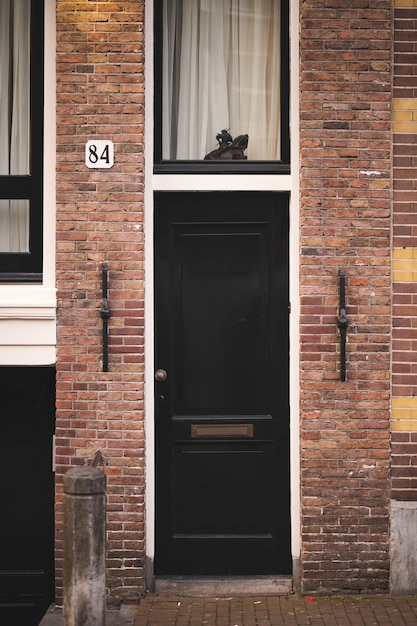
pixel 163 166
pixel 27 266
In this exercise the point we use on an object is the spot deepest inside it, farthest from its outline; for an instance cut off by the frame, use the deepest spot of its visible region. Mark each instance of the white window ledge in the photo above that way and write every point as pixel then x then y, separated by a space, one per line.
pixel 27 325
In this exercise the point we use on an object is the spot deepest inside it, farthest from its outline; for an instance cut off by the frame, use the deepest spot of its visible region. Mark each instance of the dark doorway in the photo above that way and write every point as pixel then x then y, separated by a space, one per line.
pixel 27 494
pixel 221 388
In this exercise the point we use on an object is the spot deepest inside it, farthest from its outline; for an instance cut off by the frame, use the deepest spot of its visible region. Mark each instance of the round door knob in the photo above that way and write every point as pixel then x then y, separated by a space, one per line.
pixel 160 375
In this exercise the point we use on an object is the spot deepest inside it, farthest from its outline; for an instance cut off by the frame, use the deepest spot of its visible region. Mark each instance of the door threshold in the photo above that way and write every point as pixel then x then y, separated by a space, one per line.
pixel 223 585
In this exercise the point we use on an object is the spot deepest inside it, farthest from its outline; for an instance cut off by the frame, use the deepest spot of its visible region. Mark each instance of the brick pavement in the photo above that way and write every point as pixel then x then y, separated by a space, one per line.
pixel 294 610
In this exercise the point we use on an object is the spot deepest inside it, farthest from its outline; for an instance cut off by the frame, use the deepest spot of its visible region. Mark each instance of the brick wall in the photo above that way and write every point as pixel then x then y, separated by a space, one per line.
pixel 345 223
pixel 404 352
pixel 100 218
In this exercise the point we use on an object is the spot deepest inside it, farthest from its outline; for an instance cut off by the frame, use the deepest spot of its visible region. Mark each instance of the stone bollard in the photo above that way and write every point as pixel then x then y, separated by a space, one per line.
pixel 84 547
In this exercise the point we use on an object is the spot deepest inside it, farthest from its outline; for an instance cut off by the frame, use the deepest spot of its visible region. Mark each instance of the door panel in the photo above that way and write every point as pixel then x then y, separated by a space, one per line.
pixel 27 492
pixel 222 417
pixel 221 302
pixel 214 486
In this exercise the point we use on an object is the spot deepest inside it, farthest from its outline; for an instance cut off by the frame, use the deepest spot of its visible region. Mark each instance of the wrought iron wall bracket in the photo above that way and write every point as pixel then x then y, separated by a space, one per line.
pixel 105 314
pixel 342 324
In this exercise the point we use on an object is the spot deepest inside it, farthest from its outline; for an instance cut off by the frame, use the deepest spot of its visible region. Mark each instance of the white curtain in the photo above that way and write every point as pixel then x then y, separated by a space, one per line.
pixel 221 70
pixel 14 118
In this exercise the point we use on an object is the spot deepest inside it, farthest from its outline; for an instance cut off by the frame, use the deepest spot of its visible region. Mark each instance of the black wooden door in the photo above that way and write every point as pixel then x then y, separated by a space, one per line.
pixel 26 494
pixel 221 388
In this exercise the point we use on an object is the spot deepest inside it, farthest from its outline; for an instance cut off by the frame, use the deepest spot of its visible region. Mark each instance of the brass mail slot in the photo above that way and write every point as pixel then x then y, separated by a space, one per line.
pixel 221 430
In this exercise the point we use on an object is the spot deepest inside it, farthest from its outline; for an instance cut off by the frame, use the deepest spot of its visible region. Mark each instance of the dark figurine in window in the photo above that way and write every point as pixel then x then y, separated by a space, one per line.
pixel 229 149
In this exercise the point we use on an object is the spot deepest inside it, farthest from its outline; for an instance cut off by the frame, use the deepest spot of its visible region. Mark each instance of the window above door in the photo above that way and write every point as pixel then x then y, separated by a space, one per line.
pixel 21 140
pixel 221 86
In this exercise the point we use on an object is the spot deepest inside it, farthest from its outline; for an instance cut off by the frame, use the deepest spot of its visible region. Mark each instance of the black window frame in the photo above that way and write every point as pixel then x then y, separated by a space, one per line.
pixel 163 166
pixel 27 266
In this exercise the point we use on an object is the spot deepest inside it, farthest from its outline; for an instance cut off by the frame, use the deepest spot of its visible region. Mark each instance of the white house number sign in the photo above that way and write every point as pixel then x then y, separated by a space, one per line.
pixel 99 153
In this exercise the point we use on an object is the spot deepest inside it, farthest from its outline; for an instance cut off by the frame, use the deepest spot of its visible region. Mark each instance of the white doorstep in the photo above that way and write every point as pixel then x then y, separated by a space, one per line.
pixel 224 586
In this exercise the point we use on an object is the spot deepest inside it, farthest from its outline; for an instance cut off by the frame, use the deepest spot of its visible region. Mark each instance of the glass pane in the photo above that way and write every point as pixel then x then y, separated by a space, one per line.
pixel 14 225
pixel 15 86
pixel 221 80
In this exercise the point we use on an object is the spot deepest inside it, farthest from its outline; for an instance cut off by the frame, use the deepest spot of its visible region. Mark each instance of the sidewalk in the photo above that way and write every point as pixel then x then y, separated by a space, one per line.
pixel 125 616
pixel 290 610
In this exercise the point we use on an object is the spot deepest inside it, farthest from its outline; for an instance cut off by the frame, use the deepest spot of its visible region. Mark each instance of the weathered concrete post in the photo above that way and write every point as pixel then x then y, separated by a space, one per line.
pixel 84 547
